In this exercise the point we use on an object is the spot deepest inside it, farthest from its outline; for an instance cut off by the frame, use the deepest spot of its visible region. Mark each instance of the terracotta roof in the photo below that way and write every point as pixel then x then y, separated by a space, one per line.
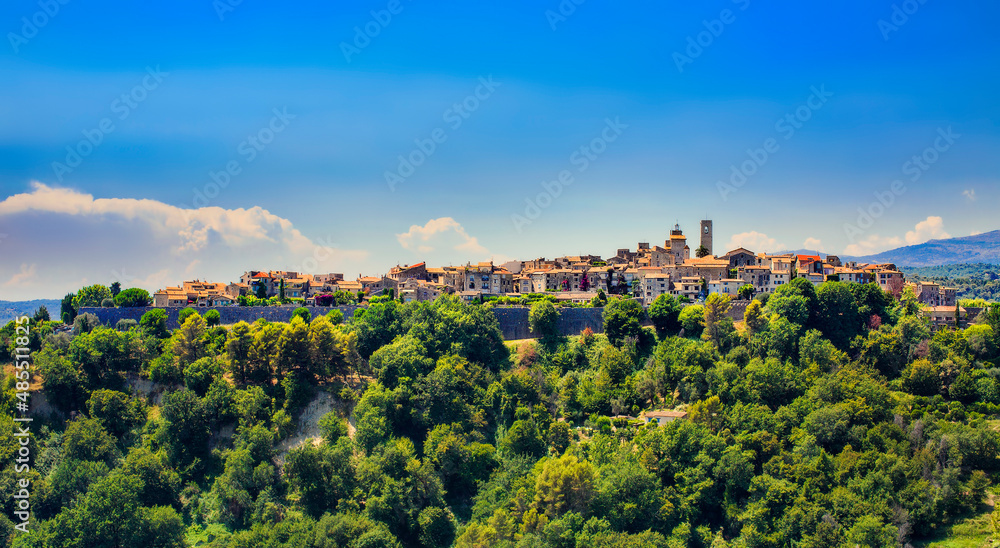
pixel 665 414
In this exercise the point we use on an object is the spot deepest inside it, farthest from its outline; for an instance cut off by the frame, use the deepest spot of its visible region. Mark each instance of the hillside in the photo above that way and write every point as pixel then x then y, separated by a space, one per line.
pixel 973 281
pixel 981 248
pixel 12 309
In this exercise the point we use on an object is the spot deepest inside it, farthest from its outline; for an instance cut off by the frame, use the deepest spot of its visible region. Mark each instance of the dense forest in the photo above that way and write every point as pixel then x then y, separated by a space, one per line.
pixel 828 416
pixel 973 281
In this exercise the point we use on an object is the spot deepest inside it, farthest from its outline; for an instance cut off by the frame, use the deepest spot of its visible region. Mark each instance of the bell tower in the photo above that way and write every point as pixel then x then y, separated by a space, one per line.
pixel 706 236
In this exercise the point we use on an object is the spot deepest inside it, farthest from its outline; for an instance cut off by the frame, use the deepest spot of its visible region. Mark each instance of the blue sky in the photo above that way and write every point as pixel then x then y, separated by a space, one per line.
pixel 198 85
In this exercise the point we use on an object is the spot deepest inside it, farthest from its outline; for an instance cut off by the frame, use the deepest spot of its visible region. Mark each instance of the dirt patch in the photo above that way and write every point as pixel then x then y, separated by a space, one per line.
pixel 307 425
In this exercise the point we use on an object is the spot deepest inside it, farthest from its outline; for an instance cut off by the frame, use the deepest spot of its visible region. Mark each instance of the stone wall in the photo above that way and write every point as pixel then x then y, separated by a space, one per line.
pixel 227 314
pixel 513 320
pixel 737 309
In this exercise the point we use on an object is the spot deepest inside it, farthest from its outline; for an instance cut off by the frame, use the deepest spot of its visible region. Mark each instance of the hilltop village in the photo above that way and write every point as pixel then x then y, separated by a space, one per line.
pixel 644 273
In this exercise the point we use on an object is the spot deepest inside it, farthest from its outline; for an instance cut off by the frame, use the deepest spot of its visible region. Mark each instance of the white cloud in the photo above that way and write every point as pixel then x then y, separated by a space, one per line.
pixel 444 230
pixel 975 232
pixel 813 244
pixel 970 194
pixel 27 273
pixel 147 243
pixel 872 244
pixel 931 228
pixel 755 241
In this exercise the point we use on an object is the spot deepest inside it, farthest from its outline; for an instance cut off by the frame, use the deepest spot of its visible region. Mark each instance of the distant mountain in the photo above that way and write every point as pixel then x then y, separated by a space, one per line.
pixel 12 309
pixel 981 248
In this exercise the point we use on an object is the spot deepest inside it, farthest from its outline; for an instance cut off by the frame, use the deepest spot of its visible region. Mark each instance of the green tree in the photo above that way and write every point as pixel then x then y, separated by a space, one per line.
pixel 335 316
pixel 332 427
pixel 302 312
pixel 86 439
pixel 622 319
pixel 523 438
pixel 117 412
pixel 871 532
pixel 154 322
pixel 238 343
pixel 133 298
pixel 718 324
pixel 544 320
pixel 67 310
pixel 189 341
pixel 92 295
pixel 665 313
pixel 41 315
pixel 404 357
pixel 437 527
pixel 692 319
pixel 201 373
pixel 565 484
pixel 293 346
pixel 872 302
pixel 837 313
pixel 702 251
pixel 559 436
pixel 327 349
pixel 261 292
pixel 184 429
pixel 795 301
pixel 754 317
pixel 212 318
pixel 60 379
pixel 116 288
pixel 103 353
pixel 992 317
pixel 263 356
pixel 746 292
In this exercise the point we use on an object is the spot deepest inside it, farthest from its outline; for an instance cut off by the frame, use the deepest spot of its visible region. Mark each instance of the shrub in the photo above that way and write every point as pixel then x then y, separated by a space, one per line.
pixel 133 297
pixel 125 325
pixel 212 318
pixel 332 427
pixel 183 315
pixel 302 312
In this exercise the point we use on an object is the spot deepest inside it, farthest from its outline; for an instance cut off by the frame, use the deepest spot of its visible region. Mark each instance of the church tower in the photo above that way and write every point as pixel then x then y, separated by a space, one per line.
pixel 706 237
